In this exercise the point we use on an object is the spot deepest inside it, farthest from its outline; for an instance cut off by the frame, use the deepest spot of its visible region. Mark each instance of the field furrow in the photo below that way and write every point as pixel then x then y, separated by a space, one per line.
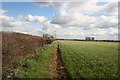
pixel 90 59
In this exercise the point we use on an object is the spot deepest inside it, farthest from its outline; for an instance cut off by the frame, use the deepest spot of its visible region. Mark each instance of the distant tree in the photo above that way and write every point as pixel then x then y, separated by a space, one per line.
pixel 48 36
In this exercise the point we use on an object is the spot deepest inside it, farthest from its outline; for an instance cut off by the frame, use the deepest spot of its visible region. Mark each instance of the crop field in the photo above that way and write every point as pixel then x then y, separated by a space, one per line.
pixel 90 59
pixel 26 56
pixel 59 40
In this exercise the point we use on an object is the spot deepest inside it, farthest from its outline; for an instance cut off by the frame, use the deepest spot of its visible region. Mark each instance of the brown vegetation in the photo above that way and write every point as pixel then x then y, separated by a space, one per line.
pixel 16 46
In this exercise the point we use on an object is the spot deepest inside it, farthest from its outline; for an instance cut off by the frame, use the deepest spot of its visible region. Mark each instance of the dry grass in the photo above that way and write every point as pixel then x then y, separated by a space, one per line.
pixel 16 46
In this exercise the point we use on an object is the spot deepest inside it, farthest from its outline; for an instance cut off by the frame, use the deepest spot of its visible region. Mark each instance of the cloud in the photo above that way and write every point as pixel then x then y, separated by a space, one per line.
pixel 78 14
pixel 94 20
pixel 31 18
pixel 46 24
pixel 9 21
pixel 74 19
pixel 110 8
pixel 25 24
pixel 18 24
pixel 113 32
pixel 2 12
pixel 78 33
pixel 107 21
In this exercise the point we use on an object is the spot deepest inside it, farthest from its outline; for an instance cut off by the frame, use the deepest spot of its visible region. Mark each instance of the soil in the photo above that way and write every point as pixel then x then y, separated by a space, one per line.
pixel 58 70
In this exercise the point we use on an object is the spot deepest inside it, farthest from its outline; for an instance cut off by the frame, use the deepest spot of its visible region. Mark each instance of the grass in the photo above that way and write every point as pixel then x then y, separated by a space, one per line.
pixel 37 67
pixel 16 46
pixel 90 59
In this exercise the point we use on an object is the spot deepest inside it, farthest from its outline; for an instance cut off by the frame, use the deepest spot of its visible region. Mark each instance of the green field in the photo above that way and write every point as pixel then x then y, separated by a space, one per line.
pixel 90 59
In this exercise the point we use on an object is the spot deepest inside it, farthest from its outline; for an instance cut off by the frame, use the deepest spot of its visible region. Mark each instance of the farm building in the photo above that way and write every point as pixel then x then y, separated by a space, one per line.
pixel 89 38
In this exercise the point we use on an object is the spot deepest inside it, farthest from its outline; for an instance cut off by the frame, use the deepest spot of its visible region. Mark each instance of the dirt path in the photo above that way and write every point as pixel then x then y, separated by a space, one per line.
pixel 58 70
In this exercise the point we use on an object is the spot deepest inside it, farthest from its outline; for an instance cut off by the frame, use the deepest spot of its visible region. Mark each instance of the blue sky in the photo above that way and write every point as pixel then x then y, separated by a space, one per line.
pixel 15 9
pixel 24 8
pixel 101 3
pixel 69 20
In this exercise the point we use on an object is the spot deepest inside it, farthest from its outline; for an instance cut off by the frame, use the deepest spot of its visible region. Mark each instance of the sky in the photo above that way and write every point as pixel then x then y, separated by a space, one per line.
pixel 68 20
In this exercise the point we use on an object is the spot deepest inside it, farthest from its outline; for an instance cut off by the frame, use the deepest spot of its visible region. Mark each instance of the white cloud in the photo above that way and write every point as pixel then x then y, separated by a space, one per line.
pixel 113 32
pixel 9 21
pixel 36 18
pixel 43 21
pixel 75 19
pixel 2 12
pixel 24 24
pixel 18 24
pixel 75 14
pixel 95 20
pixel 107 21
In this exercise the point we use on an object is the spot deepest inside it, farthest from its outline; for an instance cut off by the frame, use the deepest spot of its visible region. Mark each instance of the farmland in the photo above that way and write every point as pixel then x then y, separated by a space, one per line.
pixel 90 59
pixel 27 56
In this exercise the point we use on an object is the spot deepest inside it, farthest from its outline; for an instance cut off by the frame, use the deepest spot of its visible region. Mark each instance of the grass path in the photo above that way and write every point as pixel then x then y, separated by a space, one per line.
pixel 37 67
pixel 46 63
